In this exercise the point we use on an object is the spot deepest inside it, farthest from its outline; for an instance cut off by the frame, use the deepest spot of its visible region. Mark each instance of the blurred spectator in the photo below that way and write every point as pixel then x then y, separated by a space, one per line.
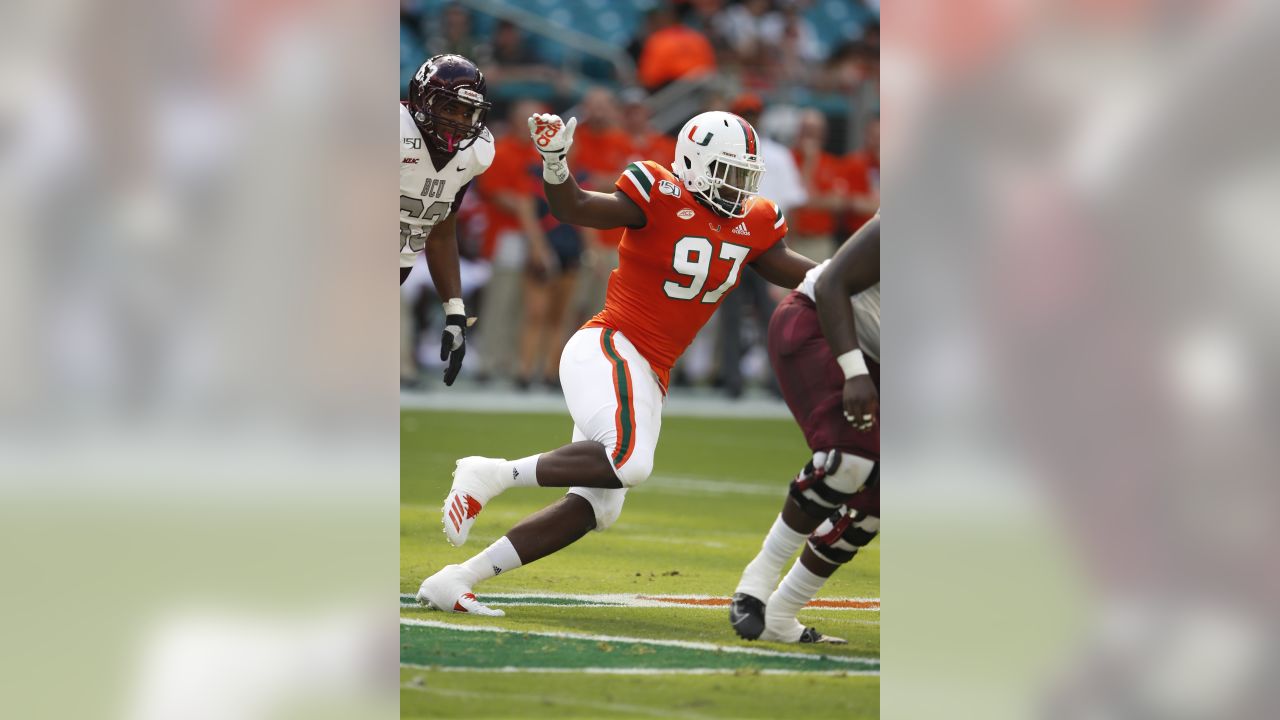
pixel 862 170
pixel 453 34
pixel 812 225
pixel 600 146
pixel 511 59
pixel 550 274
pixel 705 17
pixel 781 182
pixel 850 65
pixel 673 51
pixel 516 237
pixel 601 149
pixel 798 48
pixel 643 141
pixel 753 29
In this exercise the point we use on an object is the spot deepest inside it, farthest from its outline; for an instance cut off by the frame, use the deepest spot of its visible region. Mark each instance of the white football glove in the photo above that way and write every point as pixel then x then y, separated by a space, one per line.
pixel 552 137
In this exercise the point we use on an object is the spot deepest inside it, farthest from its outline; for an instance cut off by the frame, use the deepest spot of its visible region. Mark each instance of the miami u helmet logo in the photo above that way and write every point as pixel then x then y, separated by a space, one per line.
pixel 705 141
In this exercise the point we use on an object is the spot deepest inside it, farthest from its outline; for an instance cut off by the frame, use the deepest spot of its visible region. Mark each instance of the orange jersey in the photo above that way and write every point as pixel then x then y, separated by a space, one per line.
pixel 673 272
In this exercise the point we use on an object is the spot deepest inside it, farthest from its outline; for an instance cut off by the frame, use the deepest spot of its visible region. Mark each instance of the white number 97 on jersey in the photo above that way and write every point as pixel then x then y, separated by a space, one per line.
pixel 692 258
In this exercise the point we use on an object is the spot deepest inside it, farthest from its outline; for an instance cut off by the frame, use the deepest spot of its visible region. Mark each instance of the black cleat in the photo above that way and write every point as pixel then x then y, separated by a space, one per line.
pixel 811 635
pixel 746 614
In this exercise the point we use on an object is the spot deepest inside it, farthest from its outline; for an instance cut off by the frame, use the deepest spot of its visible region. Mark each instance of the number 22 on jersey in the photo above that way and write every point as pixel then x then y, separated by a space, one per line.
pixel 692 259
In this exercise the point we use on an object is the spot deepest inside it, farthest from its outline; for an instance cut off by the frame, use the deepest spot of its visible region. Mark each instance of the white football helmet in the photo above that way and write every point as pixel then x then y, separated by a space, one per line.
pixel 717 160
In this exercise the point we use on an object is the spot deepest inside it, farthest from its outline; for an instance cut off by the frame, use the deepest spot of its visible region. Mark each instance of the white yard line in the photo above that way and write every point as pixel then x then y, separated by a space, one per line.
pixel 684 644
pixel 639 600
pixel 642 671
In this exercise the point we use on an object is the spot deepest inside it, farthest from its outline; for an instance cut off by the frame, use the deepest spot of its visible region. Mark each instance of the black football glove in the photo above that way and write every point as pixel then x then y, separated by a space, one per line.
pixel 453 346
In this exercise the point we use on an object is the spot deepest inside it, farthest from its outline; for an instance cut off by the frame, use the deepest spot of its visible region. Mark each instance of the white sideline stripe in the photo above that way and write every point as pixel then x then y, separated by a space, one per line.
pixel 628 597
pixel 640 671
pixel 685 644
pixel 414 605
pixel 630 600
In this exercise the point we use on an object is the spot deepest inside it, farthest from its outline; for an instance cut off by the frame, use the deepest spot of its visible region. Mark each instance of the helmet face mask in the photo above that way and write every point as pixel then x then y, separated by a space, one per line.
pixel 446 98
pixel 732 185
pixel 716 159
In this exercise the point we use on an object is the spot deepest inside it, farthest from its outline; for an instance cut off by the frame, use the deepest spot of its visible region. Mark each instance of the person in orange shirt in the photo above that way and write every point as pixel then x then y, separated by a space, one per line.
pixel 827 184
pixel 673 51
pixel 691 228
pixel 862 172
pixel 516 240
pixel 643 141
pixel 639 141
pixel 600 151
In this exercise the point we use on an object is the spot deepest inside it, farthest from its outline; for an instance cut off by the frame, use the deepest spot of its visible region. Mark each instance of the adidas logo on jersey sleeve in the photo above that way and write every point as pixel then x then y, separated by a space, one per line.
pixel 741 229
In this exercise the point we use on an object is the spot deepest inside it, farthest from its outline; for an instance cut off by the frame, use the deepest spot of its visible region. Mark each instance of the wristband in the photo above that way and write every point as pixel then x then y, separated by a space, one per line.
pixel 554 172
pixel 852 364
pixel 454 306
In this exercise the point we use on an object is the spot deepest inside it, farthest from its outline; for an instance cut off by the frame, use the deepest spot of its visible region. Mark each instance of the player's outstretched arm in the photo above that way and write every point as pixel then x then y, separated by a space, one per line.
pixel 855 267
pixel 568 201
pixel 782 266
pixel 442 262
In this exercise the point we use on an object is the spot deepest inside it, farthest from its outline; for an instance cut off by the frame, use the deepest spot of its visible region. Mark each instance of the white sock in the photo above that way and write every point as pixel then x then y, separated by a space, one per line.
pixel 498 558
pixel 794 592
pixel 761 574
pixel 520 473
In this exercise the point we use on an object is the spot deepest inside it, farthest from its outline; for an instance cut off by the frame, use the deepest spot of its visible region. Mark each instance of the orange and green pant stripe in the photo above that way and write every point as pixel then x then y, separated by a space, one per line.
pixel 624 418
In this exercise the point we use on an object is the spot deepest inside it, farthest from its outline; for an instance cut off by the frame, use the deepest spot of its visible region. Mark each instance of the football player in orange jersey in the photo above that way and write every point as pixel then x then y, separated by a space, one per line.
pixel 688 232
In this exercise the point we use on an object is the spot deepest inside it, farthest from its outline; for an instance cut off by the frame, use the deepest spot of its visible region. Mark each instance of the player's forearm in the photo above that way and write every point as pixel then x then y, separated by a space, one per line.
pixel 784 267
pixel 565 199
pixel 442 263
pixel 855 268
pixel 575 206
pixel 835 315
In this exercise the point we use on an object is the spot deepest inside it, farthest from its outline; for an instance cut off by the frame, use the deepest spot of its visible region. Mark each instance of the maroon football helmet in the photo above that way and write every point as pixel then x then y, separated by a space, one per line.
pixel 446 99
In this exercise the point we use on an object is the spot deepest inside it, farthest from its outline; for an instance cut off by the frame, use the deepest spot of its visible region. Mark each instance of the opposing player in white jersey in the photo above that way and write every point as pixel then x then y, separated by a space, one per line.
pixel 444 145
pixel 824 344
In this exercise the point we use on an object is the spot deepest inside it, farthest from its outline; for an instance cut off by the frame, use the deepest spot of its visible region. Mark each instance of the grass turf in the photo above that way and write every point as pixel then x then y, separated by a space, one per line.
pixel 717 486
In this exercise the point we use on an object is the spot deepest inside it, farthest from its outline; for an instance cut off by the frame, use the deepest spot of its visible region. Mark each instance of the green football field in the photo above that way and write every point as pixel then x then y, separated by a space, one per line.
pixel 630 622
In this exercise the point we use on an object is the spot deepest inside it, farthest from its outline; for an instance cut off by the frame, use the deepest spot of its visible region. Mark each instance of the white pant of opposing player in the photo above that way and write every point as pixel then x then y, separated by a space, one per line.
pixel 614 398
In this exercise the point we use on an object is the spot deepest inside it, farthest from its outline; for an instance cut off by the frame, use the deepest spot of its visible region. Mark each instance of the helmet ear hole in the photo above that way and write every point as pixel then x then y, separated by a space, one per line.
pixel 687 165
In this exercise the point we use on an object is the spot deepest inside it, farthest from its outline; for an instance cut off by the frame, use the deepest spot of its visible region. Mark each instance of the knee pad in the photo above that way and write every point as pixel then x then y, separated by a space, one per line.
pixel 606 503
pixel 829 479
pixel 843 534
pixel 635 470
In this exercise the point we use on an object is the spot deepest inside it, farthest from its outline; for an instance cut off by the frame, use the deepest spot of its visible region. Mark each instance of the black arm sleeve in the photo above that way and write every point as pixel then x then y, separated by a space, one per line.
pixel 457 199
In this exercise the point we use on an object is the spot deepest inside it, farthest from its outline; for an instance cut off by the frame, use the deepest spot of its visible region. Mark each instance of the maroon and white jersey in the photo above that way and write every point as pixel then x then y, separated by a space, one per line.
pixel 866 311
pixel 426 193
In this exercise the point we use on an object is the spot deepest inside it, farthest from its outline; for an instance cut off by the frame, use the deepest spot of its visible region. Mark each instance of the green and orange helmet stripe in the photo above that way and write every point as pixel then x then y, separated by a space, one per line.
pixel 750 134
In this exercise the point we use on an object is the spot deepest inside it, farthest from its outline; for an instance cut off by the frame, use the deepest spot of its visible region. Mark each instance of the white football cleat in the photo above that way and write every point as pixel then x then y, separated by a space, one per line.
pixel 449 591
pixel 790 630
pixel 476 481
